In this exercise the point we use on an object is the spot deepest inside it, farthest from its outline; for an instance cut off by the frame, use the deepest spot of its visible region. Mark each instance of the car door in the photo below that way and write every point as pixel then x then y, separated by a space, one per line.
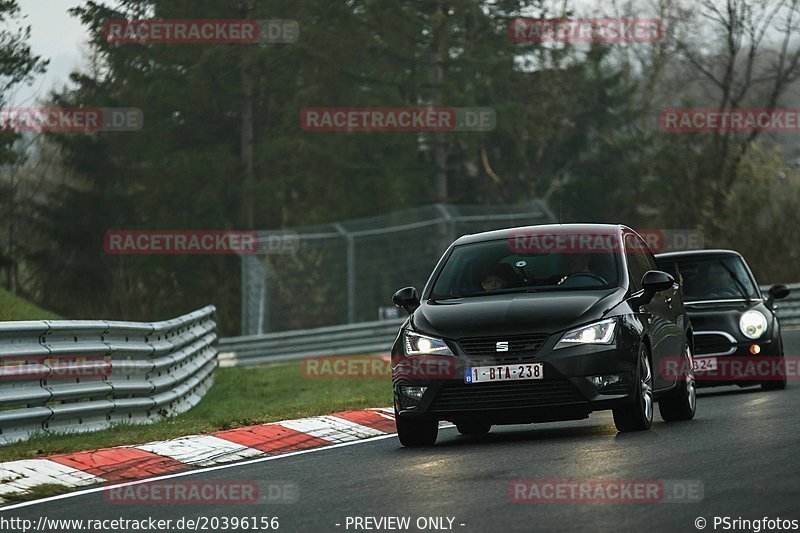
pixel 673 298
pixel 659 316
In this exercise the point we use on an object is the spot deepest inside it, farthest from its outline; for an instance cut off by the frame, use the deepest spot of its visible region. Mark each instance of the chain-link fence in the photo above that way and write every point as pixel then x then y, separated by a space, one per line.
pixel 346 272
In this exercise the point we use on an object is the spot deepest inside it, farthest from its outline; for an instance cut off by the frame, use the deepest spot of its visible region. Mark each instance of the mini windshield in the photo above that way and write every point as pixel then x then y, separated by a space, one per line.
pixel 720 278
pixel 494 267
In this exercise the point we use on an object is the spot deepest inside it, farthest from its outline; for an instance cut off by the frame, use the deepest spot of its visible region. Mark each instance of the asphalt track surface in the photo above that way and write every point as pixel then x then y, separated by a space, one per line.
pixel 742 446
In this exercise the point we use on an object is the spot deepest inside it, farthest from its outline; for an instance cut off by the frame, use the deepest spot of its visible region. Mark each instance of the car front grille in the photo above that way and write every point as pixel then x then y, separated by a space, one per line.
pixel 520 348
pixel 516 394
pixel 711 343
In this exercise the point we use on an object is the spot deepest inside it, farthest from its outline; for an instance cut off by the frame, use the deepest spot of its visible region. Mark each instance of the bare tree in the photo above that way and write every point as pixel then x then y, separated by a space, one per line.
pixel 752 62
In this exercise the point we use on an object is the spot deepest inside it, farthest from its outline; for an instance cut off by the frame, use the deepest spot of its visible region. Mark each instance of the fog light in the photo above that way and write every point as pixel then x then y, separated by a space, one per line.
pixel 414 392
pixel 755 349
pixel 602 382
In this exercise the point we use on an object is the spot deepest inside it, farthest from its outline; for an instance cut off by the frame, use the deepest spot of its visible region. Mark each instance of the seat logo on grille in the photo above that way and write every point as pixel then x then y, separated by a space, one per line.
pixel 502 346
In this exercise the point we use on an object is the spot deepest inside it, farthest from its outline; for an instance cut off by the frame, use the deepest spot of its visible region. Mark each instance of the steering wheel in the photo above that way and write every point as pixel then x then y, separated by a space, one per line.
pixel 585 275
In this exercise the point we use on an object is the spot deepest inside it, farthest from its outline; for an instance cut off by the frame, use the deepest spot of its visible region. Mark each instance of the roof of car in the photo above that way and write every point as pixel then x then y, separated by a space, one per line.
pixel 544 229
pixel 698 254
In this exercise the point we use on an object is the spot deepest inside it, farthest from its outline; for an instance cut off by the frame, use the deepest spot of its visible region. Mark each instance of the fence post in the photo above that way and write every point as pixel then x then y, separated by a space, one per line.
pixel 451 226
pixel 263 305
pixel 351 273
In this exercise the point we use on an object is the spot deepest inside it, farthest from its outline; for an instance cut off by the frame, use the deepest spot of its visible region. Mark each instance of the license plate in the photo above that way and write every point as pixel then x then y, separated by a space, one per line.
pixel 707 363
pixel 484 374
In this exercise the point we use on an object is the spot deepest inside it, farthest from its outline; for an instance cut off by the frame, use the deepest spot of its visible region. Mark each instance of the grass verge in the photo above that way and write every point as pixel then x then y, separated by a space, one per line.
pixel 240 397
pixel 37 492
pixel 15 308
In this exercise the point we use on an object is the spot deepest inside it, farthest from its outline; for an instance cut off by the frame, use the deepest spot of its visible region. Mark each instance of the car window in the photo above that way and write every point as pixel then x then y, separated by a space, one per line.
pixel 496 267
pixel 638 261
pixel 719 278
pixel 651 260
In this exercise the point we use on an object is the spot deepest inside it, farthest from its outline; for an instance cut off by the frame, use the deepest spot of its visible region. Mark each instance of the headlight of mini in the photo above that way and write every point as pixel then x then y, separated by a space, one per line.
pixel 598 333
pixel 417 344
pixel 753 324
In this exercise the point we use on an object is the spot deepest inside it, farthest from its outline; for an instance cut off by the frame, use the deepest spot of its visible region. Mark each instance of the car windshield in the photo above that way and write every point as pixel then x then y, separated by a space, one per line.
pixel 720 278
pixel 495 267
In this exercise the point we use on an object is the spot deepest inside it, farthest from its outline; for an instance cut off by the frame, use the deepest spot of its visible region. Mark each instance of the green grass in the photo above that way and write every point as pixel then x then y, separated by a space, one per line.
pixel 37 492
pixel 239 397
pixel 15 308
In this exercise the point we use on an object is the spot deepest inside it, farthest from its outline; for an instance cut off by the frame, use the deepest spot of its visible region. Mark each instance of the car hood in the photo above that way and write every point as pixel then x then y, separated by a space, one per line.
pixel 514 314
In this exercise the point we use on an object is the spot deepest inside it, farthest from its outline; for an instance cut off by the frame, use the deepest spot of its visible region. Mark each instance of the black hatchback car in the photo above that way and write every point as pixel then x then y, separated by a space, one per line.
pixel 737 336
pixel 540 324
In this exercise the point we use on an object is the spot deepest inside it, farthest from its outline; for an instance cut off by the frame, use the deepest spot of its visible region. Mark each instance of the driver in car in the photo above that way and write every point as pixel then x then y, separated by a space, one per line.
pixel 587 270
pixel 574 264
pixel 716 280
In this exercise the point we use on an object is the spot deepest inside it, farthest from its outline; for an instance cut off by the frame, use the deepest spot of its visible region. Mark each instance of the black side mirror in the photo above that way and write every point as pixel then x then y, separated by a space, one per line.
pixel 406 299
pixel 654 281
pixel 777 292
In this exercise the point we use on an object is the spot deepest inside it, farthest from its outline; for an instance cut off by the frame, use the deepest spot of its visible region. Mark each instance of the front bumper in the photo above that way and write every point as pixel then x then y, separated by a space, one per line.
pixel 564 393
pixel 734 364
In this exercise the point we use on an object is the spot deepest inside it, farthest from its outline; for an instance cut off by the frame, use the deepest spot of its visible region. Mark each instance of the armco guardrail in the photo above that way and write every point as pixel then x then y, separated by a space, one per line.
pixel 368 337
pixel 79 376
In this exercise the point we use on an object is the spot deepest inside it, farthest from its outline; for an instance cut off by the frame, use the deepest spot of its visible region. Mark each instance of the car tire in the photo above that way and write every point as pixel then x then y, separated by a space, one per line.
pixel 416 433
pixel 469 429
pixel 638 415
pixel 681 403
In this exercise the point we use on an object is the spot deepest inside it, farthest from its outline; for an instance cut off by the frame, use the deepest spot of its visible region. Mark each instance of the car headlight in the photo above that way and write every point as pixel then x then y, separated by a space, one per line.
pixel 598 333
pixel 753 324
pixel 417 344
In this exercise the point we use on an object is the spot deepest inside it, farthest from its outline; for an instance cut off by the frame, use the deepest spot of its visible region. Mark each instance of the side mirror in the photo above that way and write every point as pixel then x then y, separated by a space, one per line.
pixel 777 292
pixel 654 281
pixel 406 299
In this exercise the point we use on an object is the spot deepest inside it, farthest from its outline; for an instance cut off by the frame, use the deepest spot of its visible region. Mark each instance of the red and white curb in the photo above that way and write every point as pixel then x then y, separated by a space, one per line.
pixel 128 463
